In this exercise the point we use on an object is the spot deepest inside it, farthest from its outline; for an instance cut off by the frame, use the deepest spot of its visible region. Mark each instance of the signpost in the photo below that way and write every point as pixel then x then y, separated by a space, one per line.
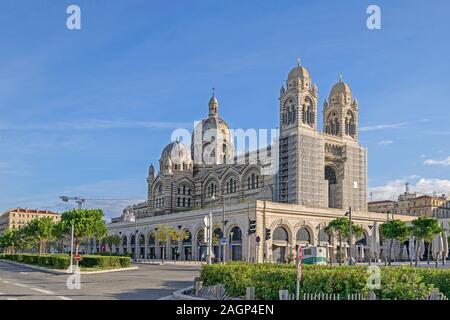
pixel 258 241
pixel 77 258
pixel 223 241
pixel 299 272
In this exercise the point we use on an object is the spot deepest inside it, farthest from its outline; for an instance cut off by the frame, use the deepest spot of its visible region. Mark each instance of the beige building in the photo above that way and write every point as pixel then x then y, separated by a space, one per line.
pixel 19 217
pixel 319 174
pixel 385 206
pixel 414 204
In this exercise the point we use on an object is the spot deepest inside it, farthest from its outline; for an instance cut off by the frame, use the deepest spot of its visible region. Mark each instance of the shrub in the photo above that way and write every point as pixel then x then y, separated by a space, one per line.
pixel 404 283
pixel 62 261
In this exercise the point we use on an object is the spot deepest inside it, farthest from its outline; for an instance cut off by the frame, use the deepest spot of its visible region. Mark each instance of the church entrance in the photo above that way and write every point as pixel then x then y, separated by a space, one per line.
pixel 330 176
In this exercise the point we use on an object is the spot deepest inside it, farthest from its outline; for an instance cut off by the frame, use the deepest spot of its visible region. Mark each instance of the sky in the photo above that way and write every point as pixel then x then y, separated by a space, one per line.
pixel 85 112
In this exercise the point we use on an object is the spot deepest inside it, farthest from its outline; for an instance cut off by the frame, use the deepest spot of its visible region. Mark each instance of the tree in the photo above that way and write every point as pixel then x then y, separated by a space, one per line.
pixel 41 231
pixel 394 230
pixel 178 235
pixel 424 228
pixel 87 223
pixel 340 229
pixel 112 240
pixel 162 235
pixel 15 240
pixel 7 242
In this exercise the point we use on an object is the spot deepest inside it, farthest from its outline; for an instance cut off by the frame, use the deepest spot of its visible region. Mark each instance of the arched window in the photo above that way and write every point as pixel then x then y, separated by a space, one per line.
pixel 303 236
pixel 280 234
pixel 211 189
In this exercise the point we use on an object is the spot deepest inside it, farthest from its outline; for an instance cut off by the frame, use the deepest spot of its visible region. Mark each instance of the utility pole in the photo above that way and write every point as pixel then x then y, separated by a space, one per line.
pixel 350 237
pixel 210 234
pixel 71 249
pixel 222 246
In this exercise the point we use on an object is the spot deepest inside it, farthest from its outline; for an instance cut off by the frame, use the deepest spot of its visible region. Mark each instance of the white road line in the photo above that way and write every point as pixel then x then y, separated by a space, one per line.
pixel 4 281
pixel 42 290
pixel 64 298
pixel 2 294
pixel 12 299
pixel 24 273
pixel 20 285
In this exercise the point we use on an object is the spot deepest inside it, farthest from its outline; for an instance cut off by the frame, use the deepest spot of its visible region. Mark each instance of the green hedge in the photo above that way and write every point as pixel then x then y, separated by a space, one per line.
pixel 403 283
pixel 96 261
pixel 62 261
pixel 53 261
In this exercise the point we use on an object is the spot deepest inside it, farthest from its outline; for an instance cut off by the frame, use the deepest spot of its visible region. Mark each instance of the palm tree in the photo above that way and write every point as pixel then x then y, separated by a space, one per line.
pixel 394 230
pixel 112 240
pixel 162 235
pixel 424 228
pixel 178 235
pixel 340 229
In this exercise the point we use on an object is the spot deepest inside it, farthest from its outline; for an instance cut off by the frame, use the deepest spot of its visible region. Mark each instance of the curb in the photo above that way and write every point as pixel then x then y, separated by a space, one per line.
pixel 59 272
pixel 179 294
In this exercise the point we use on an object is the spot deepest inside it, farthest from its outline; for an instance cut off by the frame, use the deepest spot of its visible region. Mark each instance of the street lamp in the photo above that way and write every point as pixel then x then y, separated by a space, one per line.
pixel 349 214
pixel 223 221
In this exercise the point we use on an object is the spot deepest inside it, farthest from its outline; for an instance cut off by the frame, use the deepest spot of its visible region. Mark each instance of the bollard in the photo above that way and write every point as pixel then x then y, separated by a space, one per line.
pixel 197 285
pixel 250 293
pixel 284 294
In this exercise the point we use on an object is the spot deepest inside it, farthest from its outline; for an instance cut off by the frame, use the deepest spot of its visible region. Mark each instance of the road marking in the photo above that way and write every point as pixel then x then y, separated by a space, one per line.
pixel 12 299
pixel 2 294
pixel 20 285
pixel 24 273
pixel 64 298
pixel 4 281
pixel 42 290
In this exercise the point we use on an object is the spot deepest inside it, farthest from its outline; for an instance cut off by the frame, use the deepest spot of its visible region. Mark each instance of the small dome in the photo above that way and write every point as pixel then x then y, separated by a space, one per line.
pixel 177 153
pixel 341 88
pixel 299 72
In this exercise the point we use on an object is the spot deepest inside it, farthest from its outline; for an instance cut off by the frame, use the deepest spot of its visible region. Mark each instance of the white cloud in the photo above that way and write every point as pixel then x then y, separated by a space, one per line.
pixel 383 126
pixel 385 142
pixel 444 162
pixel 393 188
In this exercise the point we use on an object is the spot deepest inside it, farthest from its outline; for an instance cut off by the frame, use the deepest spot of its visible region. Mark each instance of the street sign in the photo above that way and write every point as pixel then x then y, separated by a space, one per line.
pixel 258 239
pixel 77 257
pixel 223 240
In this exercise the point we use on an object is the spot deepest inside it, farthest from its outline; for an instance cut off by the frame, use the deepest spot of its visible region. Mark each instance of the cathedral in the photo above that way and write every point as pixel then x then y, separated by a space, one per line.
pixel 319 169
pixel 319 174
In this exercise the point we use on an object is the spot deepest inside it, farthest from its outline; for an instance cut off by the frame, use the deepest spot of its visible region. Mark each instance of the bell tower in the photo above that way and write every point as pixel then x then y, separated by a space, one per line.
pixel 340 112
pixel 298 101
pixel 300 175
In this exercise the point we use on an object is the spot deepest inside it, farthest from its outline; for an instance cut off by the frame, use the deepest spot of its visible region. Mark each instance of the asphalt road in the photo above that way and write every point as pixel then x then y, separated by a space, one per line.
pixel 149 282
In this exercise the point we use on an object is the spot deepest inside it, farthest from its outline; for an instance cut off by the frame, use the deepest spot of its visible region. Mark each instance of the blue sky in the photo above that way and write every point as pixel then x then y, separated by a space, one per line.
pixel 84 112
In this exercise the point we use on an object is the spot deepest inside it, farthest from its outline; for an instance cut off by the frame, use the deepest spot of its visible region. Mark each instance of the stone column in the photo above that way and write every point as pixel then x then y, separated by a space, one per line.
pixel 146 246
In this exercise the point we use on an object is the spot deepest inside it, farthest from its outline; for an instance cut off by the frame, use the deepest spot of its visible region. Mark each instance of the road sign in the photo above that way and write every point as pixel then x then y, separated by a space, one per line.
pixel 223 240
pixel 258 239
pixel 77 257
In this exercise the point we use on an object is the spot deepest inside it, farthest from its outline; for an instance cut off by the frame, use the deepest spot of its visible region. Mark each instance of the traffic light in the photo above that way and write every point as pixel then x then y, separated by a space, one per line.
pixel 251 226
pixel 267 233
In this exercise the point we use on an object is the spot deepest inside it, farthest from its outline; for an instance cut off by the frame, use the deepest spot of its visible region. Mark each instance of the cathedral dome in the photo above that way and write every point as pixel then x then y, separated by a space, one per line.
pixel 177 153
pixel 299 72
pixel 341 88
pixel 298 77
pixel 213 136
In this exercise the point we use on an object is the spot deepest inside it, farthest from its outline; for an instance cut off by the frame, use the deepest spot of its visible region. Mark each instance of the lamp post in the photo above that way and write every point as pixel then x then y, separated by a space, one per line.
pixel 349 214
pixel 223 222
